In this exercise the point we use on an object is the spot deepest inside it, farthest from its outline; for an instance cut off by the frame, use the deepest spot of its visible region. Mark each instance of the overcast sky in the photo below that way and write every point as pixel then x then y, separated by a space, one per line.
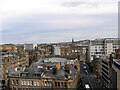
pixel 46 21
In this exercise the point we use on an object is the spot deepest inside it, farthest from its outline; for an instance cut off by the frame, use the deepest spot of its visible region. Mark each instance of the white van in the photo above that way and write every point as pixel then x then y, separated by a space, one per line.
pixel 87 86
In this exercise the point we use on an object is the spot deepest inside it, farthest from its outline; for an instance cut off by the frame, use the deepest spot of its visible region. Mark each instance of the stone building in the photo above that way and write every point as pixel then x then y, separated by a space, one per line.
pixel 97 66
pixel 8 47
pixel 13 62
pixel 46 74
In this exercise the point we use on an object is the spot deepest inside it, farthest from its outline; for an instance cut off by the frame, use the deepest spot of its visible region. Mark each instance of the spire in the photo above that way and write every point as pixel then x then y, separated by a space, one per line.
pixel 72 40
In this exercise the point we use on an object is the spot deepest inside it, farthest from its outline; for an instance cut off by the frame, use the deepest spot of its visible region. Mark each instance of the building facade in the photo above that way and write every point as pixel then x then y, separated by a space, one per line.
pixel 106 72
pixel 116 74
pixel 46 74
pixel 97 67
pixel 12 62
pixel 102 47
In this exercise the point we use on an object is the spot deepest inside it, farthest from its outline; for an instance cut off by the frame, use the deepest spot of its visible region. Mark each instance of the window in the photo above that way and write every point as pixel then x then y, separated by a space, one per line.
pixel 25 83
pixel 43 83
pixel 12 88
pixel 65 84
pixel 16 82
pixel 58 84
pixel 16 88
pixel 12 81
pixel 22 82
pixel 62 84
pixel 31 83
pixel 38 83
pixel 28 82
pixel 48 83
pixel 8 60
pixel 55 84
pixel 70 84
pixel 35 83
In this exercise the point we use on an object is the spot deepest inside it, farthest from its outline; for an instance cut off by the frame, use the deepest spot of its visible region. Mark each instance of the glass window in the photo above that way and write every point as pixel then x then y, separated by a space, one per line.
pixel 16 82
pixel 35 83
pixel 25 83
pixel 16 88
pixel 69 83
pixel 62 84
pixel 31 83
pixel 28 82
pixel 65 84
pixel 22 82
pixel 58 84
pixel 12 81
pixel 38 83
pixel 55 84
pixel 48 83
pixel 43 83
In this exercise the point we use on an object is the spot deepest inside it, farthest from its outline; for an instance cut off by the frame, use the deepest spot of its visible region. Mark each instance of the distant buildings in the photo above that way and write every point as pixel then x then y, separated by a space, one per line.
pixel 32 66
pixel 8 47
pixel 29 46
pixel 57 50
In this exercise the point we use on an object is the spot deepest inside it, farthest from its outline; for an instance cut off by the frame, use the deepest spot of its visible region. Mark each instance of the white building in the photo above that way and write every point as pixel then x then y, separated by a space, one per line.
pixel 57 50
pixel 29 46
pixel 101 47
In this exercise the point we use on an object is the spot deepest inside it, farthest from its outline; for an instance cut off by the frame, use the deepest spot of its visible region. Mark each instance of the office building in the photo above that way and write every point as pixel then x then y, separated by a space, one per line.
pixel 116 74
pixel 102 47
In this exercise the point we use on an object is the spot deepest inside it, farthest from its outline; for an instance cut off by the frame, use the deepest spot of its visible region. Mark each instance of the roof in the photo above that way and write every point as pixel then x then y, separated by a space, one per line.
pixel 117 61
pixel 34 72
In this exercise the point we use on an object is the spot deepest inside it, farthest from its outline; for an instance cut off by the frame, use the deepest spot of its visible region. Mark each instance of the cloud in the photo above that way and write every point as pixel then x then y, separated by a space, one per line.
pixel 14 8
pixel 75 4
pixel 57 20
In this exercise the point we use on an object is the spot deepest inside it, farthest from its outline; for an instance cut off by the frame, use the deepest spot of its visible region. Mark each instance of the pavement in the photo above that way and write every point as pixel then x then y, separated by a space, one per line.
pixel 87 78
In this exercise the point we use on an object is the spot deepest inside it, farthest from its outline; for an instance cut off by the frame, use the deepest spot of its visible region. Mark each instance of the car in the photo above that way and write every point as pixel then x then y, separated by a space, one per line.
pixel 84 67
pixel 87 86
pixel 86 72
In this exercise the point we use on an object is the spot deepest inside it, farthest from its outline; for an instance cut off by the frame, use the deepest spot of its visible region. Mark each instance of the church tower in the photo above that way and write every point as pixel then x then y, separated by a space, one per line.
pixel 73 46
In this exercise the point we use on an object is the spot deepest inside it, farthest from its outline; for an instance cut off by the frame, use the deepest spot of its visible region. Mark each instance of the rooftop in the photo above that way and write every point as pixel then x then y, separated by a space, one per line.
pixel 39 70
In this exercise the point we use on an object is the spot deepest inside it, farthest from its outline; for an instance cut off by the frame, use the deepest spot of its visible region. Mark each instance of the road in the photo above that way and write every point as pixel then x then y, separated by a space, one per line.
pixel 88 78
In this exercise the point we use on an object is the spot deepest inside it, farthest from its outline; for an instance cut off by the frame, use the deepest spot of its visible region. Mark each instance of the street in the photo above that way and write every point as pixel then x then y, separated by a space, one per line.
pixel 87 77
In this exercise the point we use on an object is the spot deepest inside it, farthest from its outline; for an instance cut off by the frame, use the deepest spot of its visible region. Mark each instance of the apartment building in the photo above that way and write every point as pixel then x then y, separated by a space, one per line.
pixel 116 74
pixel 106 71
pixel 97 67
pixel 65 50
pixel 46 74
pixel 30 46
pixel 8 47
pixel 46 49
pixel 101 47
pixel 12 62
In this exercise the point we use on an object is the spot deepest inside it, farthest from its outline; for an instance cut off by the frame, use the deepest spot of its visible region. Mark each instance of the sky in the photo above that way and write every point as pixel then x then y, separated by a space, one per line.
pixel 49 21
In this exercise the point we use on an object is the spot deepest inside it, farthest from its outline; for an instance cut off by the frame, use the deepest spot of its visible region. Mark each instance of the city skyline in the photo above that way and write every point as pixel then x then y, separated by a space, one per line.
pixel 58 21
